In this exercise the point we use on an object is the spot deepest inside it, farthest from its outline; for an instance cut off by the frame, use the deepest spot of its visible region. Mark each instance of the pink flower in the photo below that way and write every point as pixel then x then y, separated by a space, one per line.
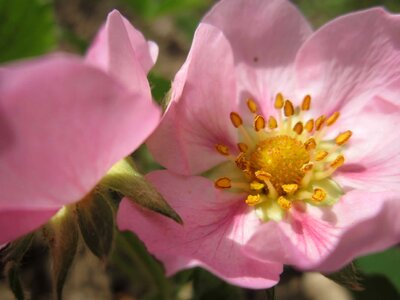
pixel 63 124
pixel 261 180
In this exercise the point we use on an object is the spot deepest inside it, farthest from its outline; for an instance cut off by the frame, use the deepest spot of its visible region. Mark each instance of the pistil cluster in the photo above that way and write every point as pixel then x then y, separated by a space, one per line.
pixel 284 161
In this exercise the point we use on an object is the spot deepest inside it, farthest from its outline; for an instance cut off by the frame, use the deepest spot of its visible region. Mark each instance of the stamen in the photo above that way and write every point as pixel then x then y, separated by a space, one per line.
pixel 338 162
pixel 236 119
pixel 251 105
pixel 265 176
pixel 242 162
pixel 298 128
pixel 321 155
pixel 272 123
pixel 284 203
pixel 342 138
pixel 288 108
pixel 332 119
pixel 319 122
pixel 222 149
pixel 279 101
pixel 256 186
pixel 306 104
pixel 290 188
pixel 252 200
pixel 318 195
pixel 259 123
pixel 223 183
pixel 310 125
pixel 243 147
pixel 310 144
pixel 307 167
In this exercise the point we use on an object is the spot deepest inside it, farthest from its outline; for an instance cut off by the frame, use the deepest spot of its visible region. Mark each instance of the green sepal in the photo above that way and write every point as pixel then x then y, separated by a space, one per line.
pixel 13 278
pixel 124 179
pixel 62 236
pixel 13 254
pixel 96 223
pixel 16 250
pixel 348 277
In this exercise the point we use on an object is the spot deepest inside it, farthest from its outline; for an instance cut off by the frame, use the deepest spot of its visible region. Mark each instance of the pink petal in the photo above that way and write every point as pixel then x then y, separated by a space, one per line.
pixel 349 60
pixel 265 37
pixel 372 160
pixel 326 239
pixel 12 226
pixel 63 125
pixel 198 115
pixel 216 226
pixel 123 52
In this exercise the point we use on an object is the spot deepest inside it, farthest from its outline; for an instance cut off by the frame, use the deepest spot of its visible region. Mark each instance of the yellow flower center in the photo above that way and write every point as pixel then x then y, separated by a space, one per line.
pixel 283 161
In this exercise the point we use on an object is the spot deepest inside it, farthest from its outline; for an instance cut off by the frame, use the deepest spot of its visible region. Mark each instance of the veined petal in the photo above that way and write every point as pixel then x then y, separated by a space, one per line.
pixel 326 239
pixel 216 226
pixel 349 60
pixel 265 37
pixel 372 160
pixel 63 124
pixel 122 51
pixel 204 94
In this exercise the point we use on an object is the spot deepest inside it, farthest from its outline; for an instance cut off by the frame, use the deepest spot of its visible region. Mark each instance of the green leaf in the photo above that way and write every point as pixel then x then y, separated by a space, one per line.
pixel 62 236
pixel 159 86
pixel 16 250
pixel 27 28
pixel 123 178
pixel 348 277
pixel 96 223
pixel 12 271
pixel 386 263
pixel 12 257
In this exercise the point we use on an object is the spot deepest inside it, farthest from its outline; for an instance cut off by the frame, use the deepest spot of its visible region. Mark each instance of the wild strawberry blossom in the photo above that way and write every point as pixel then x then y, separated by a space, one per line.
pixel 281 144
pixel 64 124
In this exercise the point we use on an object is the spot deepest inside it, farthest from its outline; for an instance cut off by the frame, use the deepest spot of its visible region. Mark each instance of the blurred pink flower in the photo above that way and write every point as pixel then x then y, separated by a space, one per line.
pixel 273 189
pixel 64 123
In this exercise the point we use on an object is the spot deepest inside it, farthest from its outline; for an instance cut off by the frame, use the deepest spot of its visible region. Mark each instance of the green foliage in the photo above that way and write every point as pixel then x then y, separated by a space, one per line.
pixel 96 223
pixel 62 236
pixel 386 263
pixel 123 179
pixel 27 28
pixel 13 255
pixel 348 277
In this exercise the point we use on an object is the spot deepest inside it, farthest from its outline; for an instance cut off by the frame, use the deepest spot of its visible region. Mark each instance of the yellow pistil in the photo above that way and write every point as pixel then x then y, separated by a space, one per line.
pixel 223 183
pixel 251 105
pixel 342 138
pixel 259 123
pixel 284 203
pixel 222 149
pixel 280 164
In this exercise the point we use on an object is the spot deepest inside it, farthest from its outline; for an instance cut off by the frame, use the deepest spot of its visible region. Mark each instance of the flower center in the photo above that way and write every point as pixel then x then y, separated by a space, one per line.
pixel 283 158
pixel 278 164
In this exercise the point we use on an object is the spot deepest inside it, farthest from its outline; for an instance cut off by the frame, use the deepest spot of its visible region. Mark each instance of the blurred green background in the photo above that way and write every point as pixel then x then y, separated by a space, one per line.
pixel 34 27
